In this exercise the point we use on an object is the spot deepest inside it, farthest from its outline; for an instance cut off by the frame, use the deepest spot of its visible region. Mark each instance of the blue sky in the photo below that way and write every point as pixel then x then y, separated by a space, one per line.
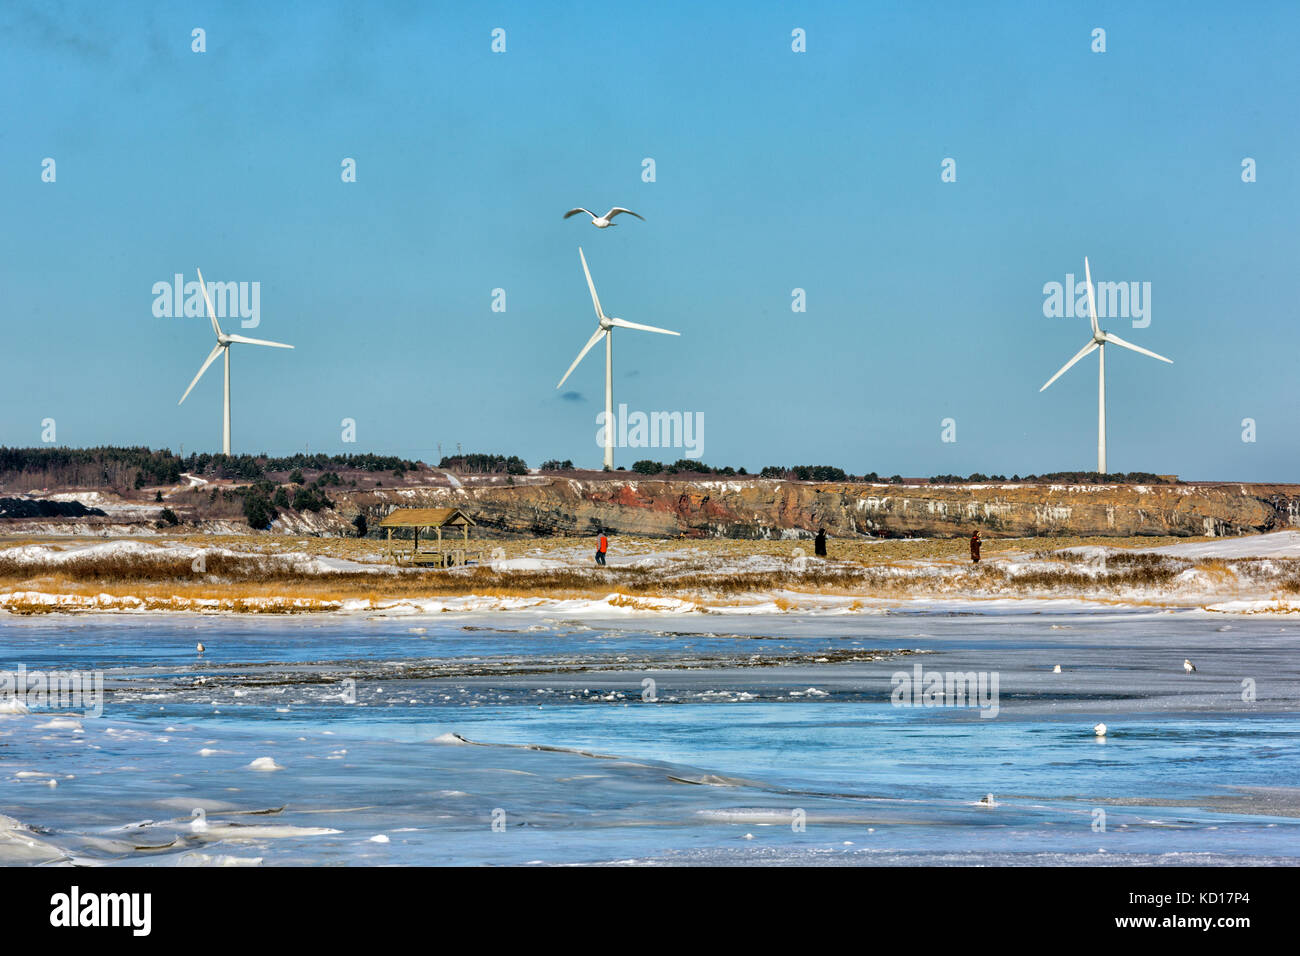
pixel 775 170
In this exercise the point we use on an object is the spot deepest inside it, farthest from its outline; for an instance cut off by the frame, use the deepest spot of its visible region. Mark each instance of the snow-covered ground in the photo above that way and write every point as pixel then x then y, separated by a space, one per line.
pixel 1277 544
pixel 686 579
pixel 111 505
pixel 57 554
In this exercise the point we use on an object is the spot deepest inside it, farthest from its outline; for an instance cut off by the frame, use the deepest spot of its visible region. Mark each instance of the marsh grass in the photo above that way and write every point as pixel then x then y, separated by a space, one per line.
pixel 274 578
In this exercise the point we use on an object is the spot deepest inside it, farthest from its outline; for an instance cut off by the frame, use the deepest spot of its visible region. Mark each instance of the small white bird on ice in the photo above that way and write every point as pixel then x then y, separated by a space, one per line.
pixel 1100 730
pixel 1056 669
pixel 1188 666
pixel 600 222
pixel 201 648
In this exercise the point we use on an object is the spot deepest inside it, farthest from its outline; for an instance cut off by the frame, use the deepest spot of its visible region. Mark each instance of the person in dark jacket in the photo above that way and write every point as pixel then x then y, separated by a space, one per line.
pixel 975 547
pixel 819 543
pixel 601 547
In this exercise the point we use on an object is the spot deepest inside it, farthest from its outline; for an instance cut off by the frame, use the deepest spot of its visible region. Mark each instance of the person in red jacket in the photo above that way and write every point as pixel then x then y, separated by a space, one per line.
pixel 601 548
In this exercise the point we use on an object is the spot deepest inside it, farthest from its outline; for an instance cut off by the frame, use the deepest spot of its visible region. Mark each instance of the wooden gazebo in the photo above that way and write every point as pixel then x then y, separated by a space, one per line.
pixel 446 554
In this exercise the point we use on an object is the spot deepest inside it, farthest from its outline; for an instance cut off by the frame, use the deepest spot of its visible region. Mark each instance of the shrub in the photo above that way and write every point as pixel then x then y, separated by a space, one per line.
pixel 259 511
pixel 478 463
pixel 310 499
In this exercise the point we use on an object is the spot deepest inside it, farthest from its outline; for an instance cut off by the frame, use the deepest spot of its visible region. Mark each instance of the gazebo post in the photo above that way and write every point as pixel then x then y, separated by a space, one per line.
pixel 419 519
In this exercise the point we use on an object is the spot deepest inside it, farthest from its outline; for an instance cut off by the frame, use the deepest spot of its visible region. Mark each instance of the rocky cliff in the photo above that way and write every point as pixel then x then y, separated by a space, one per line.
pixel 758 508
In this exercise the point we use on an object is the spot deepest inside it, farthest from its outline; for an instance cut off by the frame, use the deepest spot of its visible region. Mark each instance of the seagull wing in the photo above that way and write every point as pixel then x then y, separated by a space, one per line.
pixel 617 210
pixel 574 212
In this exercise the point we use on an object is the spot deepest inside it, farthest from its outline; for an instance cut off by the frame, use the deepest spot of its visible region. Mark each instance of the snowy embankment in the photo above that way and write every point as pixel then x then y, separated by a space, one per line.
pixel 1242 575
pixel 51 555
pixel 1260 574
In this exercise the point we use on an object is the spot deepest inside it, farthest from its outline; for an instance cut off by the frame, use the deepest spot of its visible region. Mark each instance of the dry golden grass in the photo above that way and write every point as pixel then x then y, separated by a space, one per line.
pixel 267 575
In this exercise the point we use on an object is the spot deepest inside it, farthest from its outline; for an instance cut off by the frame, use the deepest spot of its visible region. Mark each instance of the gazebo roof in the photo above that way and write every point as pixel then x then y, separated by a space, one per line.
pixel 426 518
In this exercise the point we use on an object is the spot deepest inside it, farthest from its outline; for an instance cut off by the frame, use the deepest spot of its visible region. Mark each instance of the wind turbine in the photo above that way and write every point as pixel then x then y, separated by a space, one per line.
pixel 224 342
pixel 1099 341
pixel 605 330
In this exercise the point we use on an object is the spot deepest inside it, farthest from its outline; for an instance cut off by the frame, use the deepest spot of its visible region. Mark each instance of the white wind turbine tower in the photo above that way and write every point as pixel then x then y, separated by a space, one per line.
pixel 1099 341
pixel 224 342
pixel 606 330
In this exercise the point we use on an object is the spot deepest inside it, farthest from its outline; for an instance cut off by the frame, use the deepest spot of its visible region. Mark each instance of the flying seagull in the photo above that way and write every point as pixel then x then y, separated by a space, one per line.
pixel 1188 666
pixel 600 222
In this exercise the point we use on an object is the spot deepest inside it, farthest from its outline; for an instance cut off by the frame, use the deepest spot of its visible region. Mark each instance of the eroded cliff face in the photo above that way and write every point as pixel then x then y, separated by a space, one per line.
pixel 758 508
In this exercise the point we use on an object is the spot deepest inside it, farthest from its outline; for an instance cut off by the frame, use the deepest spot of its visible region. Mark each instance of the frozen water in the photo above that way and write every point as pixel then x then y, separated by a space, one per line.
pixel 520 738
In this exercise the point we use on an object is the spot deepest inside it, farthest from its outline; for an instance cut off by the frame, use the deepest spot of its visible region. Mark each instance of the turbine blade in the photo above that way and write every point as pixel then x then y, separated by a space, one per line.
pixel 1064 368
pixel 1092 302
pixel 212 357
pixel 600 333
pixel 595 299
pixel 1136 348
pixel 211 315
pixel 623 324
pixel 247 341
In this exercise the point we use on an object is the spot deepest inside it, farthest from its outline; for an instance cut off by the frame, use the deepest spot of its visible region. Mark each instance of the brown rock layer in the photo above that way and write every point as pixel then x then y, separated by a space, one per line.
pixel 758 508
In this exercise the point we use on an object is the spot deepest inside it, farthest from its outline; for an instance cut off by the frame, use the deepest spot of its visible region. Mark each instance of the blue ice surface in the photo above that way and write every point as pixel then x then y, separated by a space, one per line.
pixel 771 739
